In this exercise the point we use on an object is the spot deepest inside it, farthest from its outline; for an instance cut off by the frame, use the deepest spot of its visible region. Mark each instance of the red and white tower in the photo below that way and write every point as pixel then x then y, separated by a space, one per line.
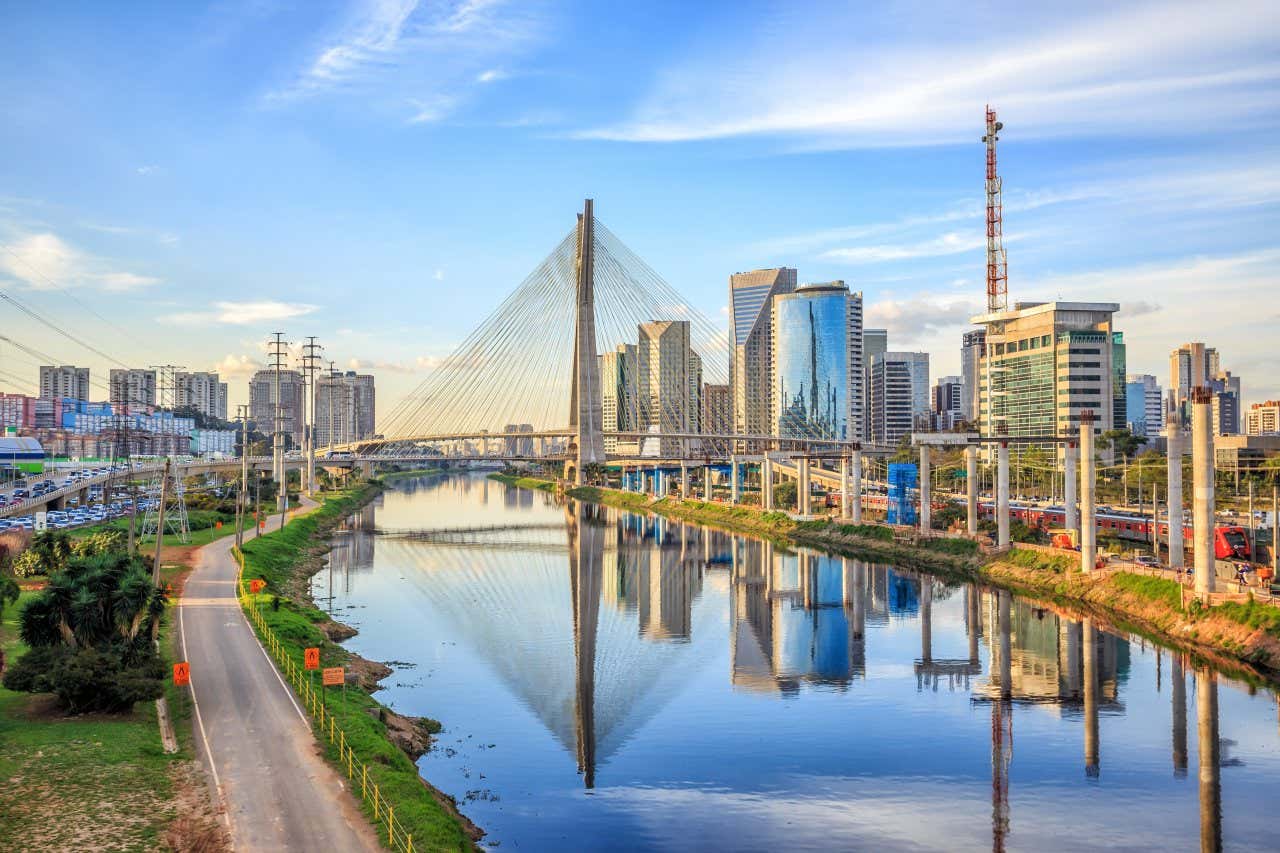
pixel 997 269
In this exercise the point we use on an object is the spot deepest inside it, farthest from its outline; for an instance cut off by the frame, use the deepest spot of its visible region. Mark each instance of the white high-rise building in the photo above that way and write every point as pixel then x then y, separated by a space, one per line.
pixel 750 331
pixel 344 408
pixel 1144 405
pixel 133 388
pixel 667 370
pixel 65 382
pixel 620 396
pixel 900 396
pixel 204 392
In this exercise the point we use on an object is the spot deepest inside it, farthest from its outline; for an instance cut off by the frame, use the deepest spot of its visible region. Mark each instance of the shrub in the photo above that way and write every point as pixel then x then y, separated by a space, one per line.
pixel 101 542
pixel 87 679
pixel 956 547
pixel 27 564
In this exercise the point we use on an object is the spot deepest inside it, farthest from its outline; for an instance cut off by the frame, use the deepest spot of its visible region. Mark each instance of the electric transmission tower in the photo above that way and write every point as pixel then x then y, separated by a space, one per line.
pixel 171 505
pixel 279 355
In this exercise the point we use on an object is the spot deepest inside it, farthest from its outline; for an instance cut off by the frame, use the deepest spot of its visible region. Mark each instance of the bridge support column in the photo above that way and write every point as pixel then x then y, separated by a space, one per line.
pixel 846 498
pixel 1090 654
pixel 734 484
pixel 1071 518
pixel 1177 551
pixel 926 619
pixel 857 487
pixel 1002 495
pixel 1209 759
pixel 926 486
pixel 802 487
pixel 684 482
pixel 1088 482
pixel 1202 507
pixel 706 483
pixel 766 484
pixel 971 488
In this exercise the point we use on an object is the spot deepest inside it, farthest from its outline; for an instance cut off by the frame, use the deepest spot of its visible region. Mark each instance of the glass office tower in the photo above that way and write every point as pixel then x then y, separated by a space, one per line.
pixel 811 354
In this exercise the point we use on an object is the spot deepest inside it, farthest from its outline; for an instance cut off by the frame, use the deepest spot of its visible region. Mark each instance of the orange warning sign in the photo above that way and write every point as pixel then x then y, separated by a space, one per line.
pixel 257 585
pixel 333 676
pixel 181 674
pixel 311 658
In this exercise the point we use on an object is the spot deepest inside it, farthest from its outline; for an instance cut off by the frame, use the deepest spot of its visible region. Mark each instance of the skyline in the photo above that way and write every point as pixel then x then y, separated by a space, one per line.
pixel 347 174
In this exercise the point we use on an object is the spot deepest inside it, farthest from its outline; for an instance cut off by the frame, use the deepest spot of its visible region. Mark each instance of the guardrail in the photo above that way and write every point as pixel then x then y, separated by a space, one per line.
pixel 384 815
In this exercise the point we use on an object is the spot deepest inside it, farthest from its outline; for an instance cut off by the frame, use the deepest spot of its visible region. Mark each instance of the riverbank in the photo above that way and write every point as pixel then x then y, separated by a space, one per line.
pixel 1244 637
pixel 387 742
pixel 394 476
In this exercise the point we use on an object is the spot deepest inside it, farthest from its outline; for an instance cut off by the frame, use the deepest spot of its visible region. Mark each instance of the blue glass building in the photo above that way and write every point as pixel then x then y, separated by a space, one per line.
pixel 811 370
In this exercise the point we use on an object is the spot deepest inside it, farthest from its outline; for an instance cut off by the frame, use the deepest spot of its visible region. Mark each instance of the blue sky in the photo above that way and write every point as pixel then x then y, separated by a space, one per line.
pixel 379 174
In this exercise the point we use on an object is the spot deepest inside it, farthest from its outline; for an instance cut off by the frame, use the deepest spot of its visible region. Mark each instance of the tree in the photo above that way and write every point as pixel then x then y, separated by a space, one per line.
pixel 784 495
pixel 1121 441
pixel 91 634
pixel 52 548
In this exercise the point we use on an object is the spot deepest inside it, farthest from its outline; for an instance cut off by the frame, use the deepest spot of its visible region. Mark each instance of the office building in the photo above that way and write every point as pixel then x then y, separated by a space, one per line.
pixel 219 442
pixel 1144 405
pixel 1263 418
pixel 619 396
pixel 875 343
pixel 667 370
pixel 204 392
pixel 344 408
pixel 973 347
pixel 947 403
pixel 816 367
pixel 899 396
pixel 131 388
pixel 64 382
pixel 751 328
pixel 717 409
pixel 1226 402
pixel 262 403
pixel 1045 364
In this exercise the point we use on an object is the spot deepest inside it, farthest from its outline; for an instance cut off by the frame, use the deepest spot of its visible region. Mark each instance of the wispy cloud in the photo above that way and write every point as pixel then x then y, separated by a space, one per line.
pixel 243 313
pixel 865 80
pixel 45 261
pixel 951 243
pixel 238 367
pixel 422 59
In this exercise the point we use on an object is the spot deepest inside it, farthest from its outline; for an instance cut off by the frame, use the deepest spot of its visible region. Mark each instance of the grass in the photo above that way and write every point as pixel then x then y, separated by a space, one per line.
pixel 955 547
pixel 525 482
pixel 1252 614
pixel 275 558
pixel 1028 558
pixel 1160 590
pixel 93 781
pixel 393 476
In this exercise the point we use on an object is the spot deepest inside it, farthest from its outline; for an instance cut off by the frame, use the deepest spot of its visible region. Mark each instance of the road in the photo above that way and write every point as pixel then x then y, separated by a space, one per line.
pixel 279 793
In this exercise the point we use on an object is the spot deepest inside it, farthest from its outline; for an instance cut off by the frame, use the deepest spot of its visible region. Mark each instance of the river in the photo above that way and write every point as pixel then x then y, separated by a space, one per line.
pixel 612 681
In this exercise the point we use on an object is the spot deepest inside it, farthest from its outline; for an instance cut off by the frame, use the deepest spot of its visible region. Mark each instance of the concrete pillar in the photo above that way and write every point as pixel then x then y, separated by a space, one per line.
pixel 1088 482
pixel 926 487
pixel 706 482
pixel 859 599
pixel 1202 507
pixel 971 488
pixel 1002 494
pixel 1090 653
pixel 657 477
pixel 857 487
pixel 1069 481
pixel 766 484
pixel 972 621
pixel 1179 694
pixel 846 496
pixel 684 482
pixel 734 484
pixel 1177 551
pixel 926 619
pixel 1003 599
pixel 1209 760
pixel 802 486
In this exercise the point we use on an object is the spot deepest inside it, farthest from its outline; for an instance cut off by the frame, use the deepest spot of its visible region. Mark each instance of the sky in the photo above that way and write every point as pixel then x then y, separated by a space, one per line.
pixel 179 180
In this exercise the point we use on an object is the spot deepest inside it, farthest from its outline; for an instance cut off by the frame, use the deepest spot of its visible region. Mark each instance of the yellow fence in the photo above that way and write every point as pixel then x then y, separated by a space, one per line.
pixel 384 815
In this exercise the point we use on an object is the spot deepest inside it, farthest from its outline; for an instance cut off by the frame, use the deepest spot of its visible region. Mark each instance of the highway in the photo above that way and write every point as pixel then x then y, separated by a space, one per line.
pixel 278 792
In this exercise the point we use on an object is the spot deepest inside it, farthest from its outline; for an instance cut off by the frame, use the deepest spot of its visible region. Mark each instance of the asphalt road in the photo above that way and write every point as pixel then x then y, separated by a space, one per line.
pixel 279 793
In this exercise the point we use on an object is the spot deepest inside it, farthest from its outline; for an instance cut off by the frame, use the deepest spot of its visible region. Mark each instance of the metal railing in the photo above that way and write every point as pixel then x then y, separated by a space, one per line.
pixel 325 724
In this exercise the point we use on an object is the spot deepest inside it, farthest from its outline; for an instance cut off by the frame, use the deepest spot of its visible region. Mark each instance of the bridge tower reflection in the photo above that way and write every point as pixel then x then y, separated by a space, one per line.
pixel 586 566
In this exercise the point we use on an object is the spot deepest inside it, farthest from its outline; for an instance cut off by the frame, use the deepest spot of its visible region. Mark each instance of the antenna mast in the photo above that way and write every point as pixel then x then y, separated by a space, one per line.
pixel 997 269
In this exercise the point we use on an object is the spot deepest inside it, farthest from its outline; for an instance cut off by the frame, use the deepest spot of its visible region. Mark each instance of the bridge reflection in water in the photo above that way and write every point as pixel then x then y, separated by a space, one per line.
pixel 617 594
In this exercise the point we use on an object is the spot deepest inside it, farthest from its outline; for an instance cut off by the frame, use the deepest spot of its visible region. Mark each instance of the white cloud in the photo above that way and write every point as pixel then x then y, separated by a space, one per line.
pixel 243 313
pixel 147 170
pixel 855 79
pixel 237 367
pixel 438 275
pixel 44 261
pixel 491 75
pixel 923 320
pixel 951 243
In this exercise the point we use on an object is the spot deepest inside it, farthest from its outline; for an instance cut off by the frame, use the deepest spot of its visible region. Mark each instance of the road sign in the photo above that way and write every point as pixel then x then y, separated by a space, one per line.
pixel 311 658
pixel 257 585
pixel 41 521
pixel 333 676
pixel 181 674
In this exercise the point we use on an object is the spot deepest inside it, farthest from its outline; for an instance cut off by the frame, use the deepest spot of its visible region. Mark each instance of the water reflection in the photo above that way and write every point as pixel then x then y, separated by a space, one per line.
pixel 601 621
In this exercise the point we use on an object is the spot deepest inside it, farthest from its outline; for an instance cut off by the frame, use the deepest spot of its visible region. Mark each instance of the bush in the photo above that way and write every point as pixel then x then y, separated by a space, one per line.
pixel 784 495
pixel 27 564
pixel 101 542
pixel 868 531
pixel 87 679
pixel 955 547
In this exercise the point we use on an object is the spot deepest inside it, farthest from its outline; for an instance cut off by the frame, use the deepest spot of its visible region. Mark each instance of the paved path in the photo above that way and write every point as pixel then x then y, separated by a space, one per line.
pixel 279 793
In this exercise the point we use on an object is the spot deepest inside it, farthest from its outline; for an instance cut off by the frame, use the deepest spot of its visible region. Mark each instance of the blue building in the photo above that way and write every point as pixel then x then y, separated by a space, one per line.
pixel 817 362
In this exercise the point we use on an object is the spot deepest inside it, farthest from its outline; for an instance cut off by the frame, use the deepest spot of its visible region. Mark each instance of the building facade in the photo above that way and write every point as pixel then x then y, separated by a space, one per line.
pixel 1263 418
pixel 204 392
pixel 1144 405
pixel 65 381
pixel 669 379
pixel 816 367
pixel 132 388
pixel 875 343
pixel 896 392
pixel 1190 366
pixel 344 408
pixel 1048 362
pixel 973 348
pixel 620 395
pixel 947 403
pixel 262 403
pixel 717 409
pixel 751 328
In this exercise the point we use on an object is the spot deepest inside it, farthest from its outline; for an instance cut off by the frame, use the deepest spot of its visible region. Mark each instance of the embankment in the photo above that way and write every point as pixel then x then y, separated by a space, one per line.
pixel 1241 637
pixel 387 742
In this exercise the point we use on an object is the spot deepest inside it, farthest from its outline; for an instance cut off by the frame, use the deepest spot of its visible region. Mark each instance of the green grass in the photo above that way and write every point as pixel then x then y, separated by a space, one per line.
pixel 1030 559
pixel 95 781
pixel 1160 590
pixel 274 558
pixel 525 482
pixel 1252 614
pixel 393 476
pixel 956 547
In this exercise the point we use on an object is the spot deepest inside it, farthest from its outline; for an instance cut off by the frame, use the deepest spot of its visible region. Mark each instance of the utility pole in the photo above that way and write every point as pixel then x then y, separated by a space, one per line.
pixel 1275 533
pixel 279 352
pixel 311 366
pixel 164 495
pixel 1253 541
pixel 332 373
pixel 242 500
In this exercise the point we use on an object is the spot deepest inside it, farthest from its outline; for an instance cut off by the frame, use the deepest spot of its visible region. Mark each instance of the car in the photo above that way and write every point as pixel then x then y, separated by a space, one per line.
pixel 1147 560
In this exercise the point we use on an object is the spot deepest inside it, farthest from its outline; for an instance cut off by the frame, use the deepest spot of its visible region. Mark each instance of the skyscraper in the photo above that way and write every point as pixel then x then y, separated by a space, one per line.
pixel 1189 367
pixel 899 384
pixel 717 409
pixel 875 343
pixel 947 402
pixel 619 391
pixel 204 392
pixel 816 365
pixel 133 388
pixel 973 347
pixel 262 403
pixel 1144 405
pixel 666 368
pixel 750 295
pixel 344 408
pixel 64 382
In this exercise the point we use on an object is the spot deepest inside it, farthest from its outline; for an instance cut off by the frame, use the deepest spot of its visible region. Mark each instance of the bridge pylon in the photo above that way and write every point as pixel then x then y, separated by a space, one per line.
pixel 586 446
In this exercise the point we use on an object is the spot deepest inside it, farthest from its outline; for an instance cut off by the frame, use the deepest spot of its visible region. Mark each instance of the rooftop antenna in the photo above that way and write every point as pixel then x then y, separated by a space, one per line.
pixel 997 269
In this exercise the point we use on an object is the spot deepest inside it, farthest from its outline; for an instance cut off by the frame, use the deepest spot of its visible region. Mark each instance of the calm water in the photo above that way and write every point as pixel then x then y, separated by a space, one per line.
pixel 611 681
